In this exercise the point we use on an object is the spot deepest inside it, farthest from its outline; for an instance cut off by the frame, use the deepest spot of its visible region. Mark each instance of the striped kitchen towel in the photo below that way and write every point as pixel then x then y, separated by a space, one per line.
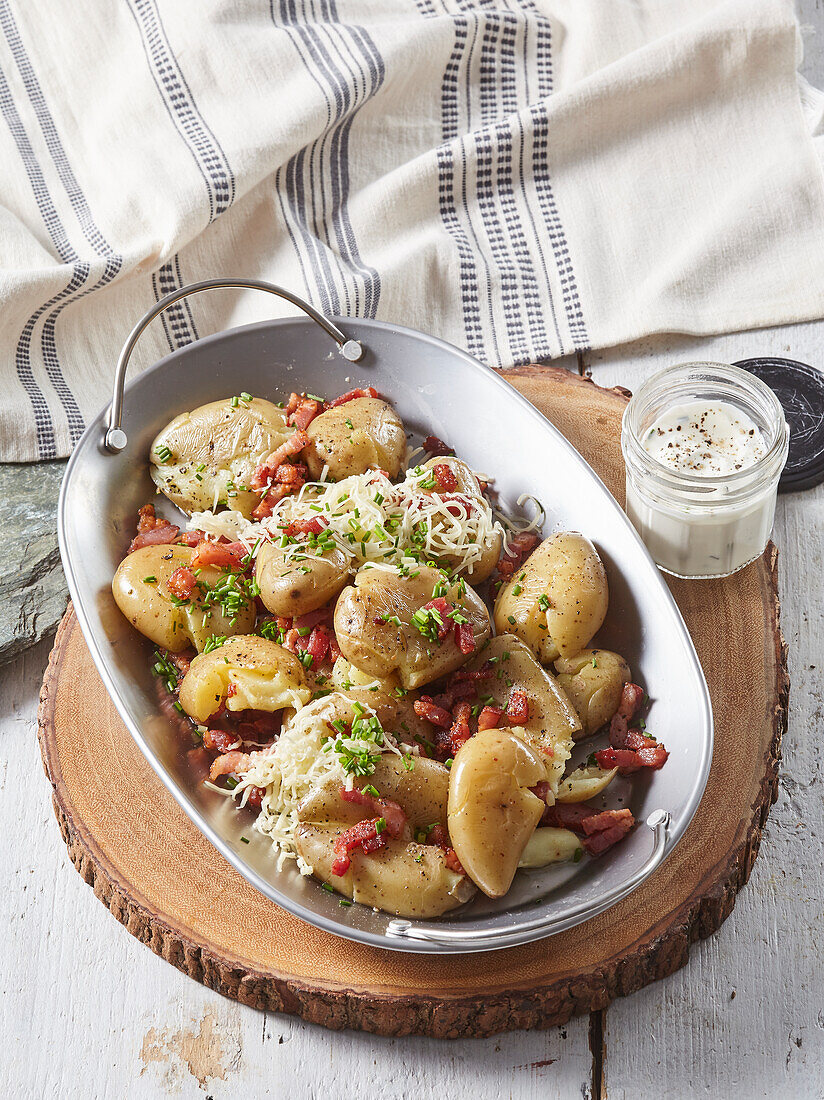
pixel 522 177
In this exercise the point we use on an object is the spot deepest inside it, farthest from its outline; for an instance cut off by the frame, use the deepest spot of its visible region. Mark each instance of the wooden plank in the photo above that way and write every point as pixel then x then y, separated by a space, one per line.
pixel 86 1011
pixel 747 1015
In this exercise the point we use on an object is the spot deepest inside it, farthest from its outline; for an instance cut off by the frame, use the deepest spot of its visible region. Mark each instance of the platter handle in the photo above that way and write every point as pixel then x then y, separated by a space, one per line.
pixel 114 439
pixel 658 821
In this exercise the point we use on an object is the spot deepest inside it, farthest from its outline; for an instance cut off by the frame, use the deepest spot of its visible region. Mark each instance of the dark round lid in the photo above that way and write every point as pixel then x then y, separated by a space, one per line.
pixel 800 389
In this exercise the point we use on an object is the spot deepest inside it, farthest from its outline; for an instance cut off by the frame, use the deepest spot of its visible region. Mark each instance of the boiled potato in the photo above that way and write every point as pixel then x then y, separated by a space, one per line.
pixel 364 434
pixel 421 791
pixel 209 454
pixel 376 631
pixel 593 679
pixel 584 783
pixel 291 588
pixel 548 845
pixel 404 878
pixel 345 675
pixel 246 673
pixel 558 599
pixel 552 722
pixel 488 550
pixel 140 589
pixel 491 811
pixel 396 714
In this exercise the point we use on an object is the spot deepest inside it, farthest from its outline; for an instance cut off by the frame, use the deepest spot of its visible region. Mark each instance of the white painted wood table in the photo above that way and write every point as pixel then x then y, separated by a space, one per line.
pixel 88 1012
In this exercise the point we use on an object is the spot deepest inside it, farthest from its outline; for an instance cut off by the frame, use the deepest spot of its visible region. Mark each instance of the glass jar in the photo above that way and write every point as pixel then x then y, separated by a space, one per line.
pixel 703 526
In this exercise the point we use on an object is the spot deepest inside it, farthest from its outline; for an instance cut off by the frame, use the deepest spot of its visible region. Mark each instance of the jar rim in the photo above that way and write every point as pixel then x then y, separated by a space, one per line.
pixel 740 382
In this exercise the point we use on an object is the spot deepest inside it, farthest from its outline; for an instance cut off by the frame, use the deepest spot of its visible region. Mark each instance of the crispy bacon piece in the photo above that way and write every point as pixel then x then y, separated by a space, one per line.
pixel 452 861
pixel 517 709
pixel 445 479
pixel 520 547
pixel 254 796
pixel 160 535
pixel 465 638
pixel 631 697
pixel 268 502
pixel 190 538
pixel 369 391
pixel 444 609
pixel 312 618
pixel 293 474
pixel 460 732
pixel 182 583
pixel 302 410
pixel 605 829
pixel 363 835
pixel 312 526
pixel 439 716
pixel 563 815
pixel 490 718
pixel 649 755
pixel 457 693
pixel 146 519
pixel 220 741
pixel 222 554
pixel 265 471
pixel 392 813
pixel 318 644
pixel 230 763
pixel 436 448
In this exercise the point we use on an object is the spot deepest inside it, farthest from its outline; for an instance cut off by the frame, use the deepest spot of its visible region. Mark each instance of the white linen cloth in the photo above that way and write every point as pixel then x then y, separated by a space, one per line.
pixel 521 177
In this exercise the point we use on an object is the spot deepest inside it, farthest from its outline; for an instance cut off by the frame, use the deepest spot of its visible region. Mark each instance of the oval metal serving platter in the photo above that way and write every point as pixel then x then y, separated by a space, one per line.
pixel 437 389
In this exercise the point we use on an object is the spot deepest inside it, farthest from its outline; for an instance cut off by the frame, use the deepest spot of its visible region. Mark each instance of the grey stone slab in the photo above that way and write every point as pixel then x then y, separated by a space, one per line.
pixel 33 592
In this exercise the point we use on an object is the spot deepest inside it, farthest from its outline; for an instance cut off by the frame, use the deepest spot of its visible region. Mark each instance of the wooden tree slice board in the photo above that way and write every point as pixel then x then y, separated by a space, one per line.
pixel 172 890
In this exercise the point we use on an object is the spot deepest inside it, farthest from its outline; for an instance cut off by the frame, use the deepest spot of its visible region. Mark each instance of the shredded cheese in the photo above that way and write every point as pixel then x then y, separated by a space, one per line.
pixel 307 754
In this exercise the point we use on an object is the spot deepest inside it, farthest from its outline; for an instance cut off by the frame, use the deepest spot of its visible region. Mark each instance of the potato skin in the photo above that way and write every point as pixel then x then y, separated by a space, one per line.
pixel 376 439
pixel 492 812
pixel 264 676
pixel 292 588
pixel 566 570
pixel 149 607
pixel 422 792
pixel 228 442
pixel 593 679
pixel 381 647
pixel 404 878
pixel 553 723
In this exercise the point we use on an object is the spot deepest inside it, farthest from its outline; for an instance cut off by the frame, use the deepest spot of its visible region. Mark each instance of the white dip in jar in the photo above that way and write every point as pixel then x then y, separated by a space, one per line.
pixel 704 445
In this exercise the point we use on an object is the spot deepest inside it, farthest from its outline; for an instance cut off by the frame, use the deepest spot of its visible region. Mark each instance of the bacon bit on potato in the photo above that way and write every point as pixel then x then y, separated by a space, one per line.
pixel 230 554
pixel 445 478
pixel 182 583
pixel 517 709
pixel 293 445
pixel 351 395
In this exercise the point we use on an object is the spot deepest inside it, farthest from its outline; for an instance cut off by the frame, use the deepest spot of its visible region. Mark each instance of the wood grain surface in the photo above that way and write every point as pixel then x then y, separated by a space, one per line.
pixel 156 873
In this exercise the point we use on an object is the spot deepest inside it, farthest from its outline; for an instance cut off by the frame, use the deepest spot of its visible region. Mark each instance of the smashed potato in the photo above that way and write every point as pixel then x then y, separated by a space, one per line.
pixel 291 588
pixel 246 672
pixel 382 624
pixel 558 598
pixel 208 455
pixel 140 590
pixel 593 679
pixel 364 434
pixel 492 812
